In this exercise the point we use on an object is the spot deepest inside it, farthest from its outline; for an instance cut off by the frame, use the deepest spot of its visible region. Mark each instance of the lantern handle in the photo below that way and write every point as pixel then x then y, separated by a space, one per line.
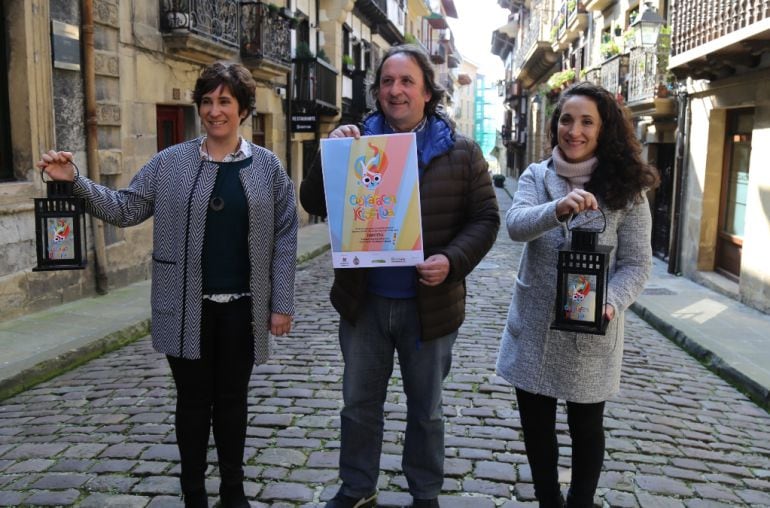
pixel 77 173
pixel 604 218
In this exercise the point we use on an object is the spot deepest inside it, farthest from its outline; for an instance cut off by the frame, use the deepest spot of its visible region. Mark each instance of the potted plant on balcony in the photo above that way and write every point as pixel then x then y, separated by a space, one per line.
pixel 561 80
pixel 409 38
pixel 609 49
pixel 323 56
pixel 628 38
pixel 302 51
pixel 348 65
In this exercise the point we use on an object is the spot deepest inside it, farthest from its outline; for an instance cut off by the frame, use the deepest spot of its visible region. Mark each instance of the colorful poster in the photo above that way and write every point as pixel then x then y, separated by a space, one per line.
pixel 373 200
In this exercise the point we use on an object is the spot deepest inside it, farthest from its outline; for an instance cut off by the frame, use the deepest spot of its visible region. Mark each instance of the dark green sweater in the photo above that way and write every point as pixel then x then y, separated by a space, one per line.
pixel 225 246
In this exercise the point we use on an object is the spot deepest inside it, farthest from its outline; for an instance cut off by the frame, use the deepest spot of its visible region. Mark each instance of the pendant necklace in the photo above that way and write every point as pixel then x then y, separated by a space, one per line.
pixel 216 203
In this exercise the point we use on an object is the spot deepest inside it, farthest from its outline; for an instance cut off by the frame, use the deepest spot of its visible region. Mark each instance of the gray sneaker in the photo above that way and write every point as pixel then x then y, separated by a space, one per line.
pixel 343 501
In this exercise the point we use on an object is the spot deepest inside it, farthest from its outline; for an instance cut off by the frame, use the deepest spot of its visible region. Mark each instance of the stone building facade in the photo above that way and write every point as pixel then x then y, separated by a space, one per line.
pixel 116 102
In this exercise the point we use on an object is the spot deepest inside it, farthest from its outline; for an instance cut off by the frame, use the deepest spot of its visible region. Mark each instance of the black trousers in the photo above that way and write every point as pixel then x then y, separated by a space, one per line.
pixel 214 390
pixel 586 428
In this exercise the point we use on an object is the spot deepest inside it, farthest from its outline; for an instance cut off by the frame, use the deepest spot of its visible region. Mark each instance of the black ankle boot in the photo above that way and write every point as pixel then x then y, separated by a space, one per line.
pixel 195 500
pixel 234 501
pixel 232 496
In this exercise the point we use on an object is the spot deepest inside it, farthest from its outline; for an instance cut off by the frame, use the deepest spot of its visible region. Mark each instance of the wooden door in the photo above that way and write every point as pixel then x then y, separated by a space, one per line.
pixel 170 125
pixel 735 183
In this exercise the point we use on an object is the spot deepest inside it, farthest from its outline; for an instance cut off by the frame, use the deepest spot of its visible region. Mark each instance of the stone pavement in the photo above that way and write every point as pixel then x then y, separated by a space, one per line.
pixel 102 434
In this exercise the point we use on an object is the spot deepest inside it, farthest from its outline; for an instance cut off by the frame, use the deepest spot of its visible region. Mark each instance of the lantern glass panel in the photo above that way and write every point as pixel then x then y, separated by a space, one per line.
pixel 60 238
pixel 580 303
pixel 60 233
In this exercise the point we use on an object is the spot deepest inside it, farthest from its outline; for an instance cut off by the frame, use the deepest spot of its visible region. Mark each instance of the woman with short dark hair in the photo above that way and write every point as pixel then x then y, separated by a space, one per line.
pixel 595 164
pixel 223 263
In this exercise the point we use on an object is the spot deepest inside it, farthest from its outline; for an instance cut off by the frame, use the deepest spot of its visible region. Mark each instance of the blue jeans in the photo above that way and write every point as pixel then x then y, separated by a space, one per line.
pixel 387 325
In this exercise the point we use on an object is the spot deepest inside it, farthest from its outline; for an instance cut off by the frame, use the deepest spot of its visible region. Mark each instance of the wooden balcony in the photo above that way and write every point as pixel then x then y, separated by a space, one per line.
pixel 265 39
pixel 315 87
pixel 200 31
pixel 715 38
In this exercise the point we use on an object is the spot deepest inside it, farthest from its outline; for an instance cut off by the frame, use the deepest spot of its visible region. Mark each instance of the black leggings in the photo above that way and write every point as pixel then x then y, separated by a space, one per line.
pixel 215 389
pixel 538 422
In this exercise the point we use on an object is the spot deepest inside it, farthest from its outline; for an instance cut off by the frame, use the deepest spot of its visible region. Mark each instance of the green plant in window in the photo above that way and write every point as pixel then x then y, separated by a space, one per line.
pixel 347 63
pixel 410 38
pixel 323 56
pixel 303 51
pixel 609 49
pixel 628 38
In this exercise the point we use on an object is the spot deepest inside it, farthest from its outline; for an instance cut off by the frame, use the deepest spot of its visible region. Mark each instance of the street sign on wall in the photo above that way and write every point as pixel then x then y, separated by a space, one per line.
pixel 303 123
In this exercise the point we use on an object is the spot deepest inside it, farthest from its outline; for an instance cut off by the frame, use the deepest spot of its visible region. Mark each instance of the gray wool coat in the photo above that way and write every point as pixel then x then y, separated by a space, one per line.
pixel 583 368
pixel 174 188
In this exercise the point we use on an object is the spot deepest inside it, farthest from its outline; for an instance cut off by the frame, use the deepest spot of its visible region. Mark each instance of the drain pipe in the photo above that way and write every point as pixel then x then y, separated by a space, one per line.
pixel 680 170
pixel 92 156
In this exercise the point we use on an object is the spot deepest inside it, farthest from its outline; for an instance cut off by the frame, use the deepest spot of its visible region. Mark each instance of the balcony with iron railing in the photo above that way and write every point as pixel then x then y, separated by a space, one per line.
pixel 437 50
pixel 569 22
pixel 363 102
pixel 315 87
pixel 613 74
pixel 397 15
pixel 594 75
pixel 535 57
pixel 559 27
pixel 387 18
pixel 452 55
pixel 711 38
pixel 266 37
pixel 376 11
pixel 200 30
pixel 648 80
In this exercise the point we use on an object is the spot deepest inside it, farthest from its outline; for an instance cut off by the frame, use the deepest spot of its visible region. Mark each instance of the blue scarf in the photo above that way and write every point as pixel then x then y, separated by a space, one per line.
pixel 436 137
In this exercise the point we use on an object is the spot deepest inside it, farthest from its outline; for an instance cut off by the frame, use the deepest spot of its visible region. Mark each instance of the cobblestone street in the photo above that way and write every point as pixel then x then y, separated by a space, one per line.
pixel 102 435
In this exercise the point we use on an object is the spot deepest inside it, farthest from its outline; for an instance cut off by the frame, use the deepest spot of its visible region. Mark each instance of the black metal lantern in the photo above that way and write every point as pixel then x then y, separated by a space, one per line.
pixel 60 227
pixel 582 274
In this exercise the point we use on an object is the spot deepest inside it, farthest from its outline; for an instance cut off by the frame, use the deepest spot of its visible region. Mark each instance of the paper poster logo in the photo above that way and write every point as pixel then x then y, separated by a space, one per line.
pixel 371 171
pixel 580 306
pixel 61 244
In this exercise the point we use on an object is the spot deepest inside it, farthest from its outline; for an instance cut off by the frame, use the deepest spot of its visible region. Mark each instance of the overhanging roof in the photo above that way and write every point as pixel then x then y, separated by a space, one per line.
pixel 437 21
pixel 449 8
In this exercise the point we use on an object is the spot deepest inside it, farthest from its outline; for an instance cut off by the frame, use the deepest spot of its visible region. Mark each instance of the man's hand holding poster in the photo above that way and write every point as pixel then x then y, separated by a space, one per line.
pixel 373 200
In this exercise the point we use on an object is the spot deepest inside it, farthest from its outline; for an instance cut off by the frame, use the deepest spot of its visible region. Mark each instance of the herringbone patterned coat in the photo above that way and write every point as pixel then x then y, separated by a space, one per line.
pixel 174 188
pixel 571 366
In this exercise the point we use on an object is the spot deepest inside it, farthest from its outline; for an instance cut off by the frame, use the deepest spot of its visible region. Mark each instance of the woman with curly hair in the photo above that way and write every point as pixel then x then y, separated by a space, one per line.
pixel 595 164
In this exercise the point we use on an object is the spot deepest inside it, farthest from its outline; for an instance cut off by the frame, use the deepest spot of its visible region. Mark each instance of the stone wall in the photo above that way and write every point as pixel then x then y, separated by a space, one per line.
pixel 700 220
